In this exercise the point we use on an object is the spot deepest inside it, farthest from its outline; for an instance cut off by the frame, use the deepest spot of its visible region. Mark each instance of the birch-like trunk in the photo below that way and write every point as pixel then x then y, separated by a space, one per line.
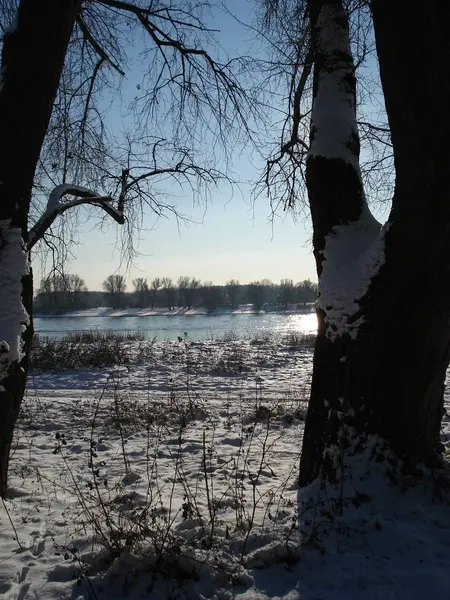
pixel 32 60
pixel 383 344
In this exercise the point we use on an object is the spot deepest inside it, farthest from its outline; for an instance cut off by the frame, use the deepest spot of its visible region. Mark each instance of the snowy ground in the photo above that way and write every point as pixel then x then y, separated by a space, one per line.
pixel 175 478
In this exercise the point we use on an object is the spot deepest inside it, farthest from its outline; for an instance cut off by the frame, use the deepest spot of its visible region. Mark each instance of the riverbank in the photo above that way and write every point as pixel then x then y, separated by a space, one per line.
pixel 103 311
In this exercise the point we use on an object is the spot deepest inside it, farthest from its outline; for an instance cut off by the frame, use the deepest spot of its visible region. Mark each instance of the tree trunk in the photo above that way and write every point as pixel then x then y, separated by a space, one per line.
pixel 32 60
pixel 379 368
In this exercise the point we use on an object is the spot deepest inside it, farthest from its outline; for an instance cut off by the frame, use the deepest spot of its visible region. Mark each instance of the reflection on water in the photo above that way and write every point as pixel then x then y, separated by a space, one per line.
pixel 197 327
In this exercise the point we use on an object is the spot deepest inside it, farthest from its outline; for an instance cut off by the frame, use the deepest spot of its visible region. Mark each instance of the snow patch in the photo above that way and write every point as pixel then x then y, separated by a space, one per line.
pixel 13 316
pixel 333 119
pixel 353 255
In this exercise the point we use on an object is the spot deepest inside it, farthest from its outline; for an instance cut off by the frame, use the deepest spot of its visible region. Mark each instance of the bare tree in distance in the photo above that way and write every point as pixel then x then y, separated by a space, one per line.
pixel 210 295
pixel 232 290
pixel 187 287
pixel 141 291
pixel 286 292
pixel 193 286
pixel 183 285
pixel 256 294
pixel 155 286
pixel 61 291
pixel 304 292
pixel 169 292
pixel 58 56
pixel 115 287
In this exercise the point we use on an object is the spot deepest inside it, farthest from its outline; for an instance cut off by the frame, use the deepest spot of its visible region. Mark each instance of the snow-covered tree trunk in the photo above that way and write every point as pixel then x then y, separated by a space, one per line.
pixel 383 344
pixel 32 59
pixel 15 334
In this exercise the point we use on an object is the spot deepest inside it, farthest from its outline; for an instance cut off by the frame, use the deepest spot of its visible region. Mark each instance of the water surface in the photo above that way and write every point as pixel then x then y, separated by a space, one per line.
pixel 197 327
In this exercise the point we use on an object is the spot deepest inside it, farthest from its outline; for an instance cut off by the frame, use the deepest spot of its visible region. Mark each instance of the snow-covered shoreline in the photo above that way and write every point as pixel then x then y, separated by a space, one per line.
pixel 165 312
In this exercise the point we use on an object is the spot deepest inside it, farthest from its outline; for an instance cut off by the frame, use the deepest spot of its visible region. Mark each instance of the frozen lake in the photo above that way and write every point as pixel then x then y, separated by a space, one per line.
pixel 197 327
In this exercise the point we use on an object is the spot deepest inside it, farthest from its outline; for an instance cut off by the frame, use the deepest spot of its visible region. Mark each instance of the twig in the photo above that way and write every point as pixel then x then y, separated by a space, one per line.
pixel 12 524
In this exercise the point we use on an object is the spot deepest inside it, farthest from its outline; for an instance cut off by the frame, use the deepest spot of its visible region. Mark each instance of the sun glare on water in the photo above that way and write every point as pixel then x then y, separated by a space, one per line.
pixel 301 323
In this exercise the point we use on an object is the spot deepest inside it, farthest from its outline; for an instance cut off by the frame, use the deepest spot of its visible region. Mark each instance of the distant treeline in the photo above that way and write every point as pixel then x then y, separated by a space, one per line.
pixel 69 292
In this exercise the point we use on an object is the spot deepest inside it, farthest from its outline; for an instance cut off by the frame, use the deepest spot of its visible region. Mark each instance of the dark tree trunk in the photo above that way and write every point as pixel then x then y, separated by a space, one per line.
pixel 387 378
pixel 32 60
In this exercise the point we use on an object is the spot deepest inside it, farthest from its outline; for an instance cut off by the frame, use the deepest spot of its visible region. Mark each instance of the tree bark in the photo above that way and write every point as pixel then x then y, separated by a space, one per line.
pixel 386 377
pixel 32 60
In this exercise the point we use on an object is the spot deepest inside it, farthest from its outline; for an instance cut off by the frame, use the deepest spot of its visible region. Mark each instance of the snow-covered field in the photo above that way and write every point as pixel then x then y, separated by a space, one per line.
pixel 175 478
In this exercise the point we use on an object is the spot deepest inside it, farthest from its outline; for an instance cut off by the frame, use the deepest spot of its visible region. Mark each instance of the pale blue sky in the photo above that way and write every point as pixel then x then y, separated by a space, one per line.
pixel 234 241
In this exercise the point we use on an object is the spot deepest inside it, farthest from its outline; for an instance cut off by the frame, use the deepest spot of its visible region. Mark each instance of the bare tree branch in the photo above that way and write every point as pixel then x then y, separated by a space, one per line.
pixel 97 47
pixel 196 101
pixel 57 206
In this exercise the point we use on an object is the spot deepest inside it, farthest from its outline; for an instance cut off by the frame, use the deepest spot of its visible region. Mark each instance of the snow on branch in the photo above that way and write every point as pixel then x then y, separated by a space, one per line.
pixel 58 203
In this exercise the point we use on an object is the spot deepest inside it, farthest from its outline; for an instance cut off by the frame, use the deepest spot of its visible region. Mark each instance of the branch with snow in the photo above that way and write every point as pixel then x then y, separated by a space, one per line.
pixel 57 204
